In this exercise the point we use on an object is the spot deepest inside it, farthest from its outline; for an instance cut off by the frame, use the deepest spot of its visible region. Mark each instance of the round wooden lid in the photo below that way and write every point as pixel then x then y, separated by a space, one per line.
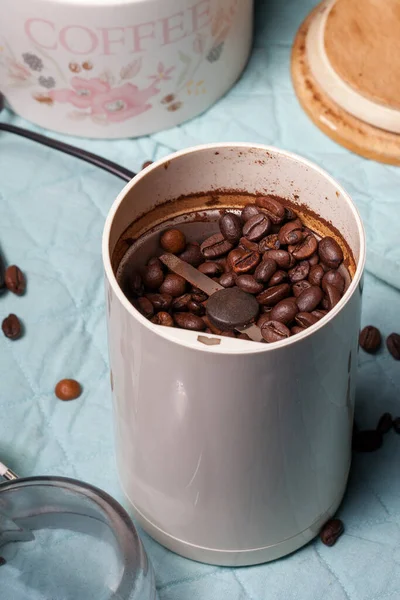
pixel 361 42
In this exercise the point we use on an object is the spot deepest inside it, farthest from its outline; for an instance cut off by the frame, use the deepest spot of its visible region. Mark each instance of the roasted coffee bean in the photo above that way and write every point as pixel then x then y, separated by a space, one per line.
pixel 68 389
pixel 11 327
pixel 15 280
pixel 180 304
pixel 299 287
pixel 210 268
pixel 173 284
pixel 155 262
pixel 396 424
pixel 153 277
pixel 249 211
pixel 309 299
pixel 393 345
pixel 145 307
pixel 333 278
pixel 160 301
pixel 313 260
pixel 215 246
pixel 332 295
pixel 248 245
pixel 291 233
pixel 283 259
pixel 196 308
pixel 306 319
pixel 370 339
pixel 319 313
pixel 290 215
pixel 316 275
pixel 192 255
pixel 285 311
pixel 265 270
pixel 278 277
pixel 368 440
pixel 173 240
pixel 273 295
pixel 272 208
pixel 264 318
pixel 243 261
pixel 146 164
pixel 198 295
pixel 271 242
pixel 230 226
pixel 223 263
pixel 330 253
pixel 299 272
pixel 186 320
pixel 331 532
pixel 163 318
pixel 257 227
pixel 274 331
pixel 227 280
pixel 304 249
pixel 248 284
pixel 296 329
pixel 135 285
pixel 385 423
pixel 2 561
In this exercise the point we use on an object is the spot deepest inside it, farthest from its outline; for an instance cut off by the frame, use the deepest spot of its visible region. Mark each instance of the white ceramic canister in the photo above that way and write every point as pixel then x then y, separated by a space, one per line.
pixel 120 68
pixel 236 453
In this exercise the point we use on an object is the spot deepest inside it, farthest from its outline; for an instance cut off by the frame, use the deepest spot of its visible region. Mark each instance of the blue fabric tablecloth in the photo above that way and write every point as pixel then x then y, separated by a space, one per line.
pixel 52 211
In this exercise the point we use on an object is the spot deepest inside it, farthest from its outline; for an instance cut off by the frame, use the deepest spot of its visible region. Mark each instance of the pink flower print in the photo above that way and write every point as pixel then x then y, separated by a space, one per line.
pixel 83 93
pixel 17 71
pixel 162 74
pixel 122 103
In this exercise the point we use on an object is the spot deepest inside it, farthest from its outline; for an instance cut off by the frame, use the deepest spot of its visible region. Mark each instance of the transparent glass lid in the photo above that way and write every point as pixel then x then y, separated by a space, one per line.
pixel 62 539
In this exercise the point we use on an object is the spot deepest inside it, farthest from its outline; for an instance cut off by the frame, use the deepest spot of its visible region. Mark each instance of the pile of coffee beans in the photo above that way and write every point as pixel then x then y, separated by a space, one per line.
pixel 265 251
pixel 371 341
pixel 12 279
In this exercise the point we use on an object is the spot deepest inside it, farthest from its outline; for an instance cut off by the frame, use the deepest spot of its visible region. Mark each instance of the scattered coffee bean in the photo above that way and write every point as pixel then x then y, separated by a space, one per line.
pixel 274 331
pixel 173 284
pixel 2 561
pixel 316 275
pixel 145 307
pixel 278 277
pixel 368 440
pixel 249 211
pixel 331 532
pixel 309 299
pixel 370 339
pixel 227 280
pixel 214 246
pixel 396 424
pixel 192 255
pixel 68 389
pixel 15 280
pixel 163 318
pixel 265 270
pixel 393 345
pixel 385 423
pixel 230 226
pixel 271 242
pixel 153 277
pixel 173 240
pixel 272 208
pixel 147 164
pixel 291 233
pixel 11 327
pixel 186 320
pixel 285 311
pixel 248 284
pixel 333 278
pixel 257 227
pixel 330 253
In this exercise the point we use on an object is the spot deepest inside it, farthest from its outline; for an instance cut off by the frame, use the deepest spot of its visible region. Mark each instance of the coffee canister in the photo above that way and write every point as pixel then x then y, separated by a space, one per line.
pixel 110 69
pixel 234 453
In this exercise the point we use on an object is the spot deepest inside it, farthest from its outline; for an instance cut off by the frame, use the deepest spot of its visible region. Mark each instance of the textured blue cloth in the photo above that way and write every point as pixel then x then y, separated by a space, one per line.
pixel 52 211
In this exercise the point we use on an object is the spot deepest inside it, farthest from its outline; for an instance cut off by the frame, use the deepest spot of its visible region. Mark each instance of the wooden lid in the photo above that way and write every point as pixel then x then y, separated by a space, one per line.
pixel 362 45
